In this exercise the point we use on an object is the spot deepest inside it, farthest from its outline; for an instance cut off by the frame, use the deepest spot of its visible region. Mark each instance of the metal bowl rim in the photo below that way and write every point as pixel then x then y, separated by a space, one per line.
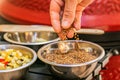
pixel 32 43
pixel 72 65
pixel 24 66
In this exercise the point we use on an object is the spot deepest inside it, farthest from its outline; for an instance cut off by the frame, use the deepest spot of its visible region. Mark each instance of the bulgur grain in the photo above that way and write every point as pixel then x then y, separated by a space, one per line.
pixel 71 57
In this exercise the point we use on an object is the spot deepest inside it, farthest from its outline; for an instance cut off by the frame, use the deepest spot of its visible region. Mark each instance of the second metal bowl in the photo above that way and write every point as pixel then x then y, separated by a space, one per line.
pixel 34 40
pixel 31 38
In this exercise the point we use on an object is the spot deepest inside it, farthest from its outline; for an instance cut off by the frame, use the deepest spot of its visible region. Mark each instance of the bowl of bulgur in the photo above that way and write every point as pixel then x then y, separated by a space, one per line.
pixel 78 62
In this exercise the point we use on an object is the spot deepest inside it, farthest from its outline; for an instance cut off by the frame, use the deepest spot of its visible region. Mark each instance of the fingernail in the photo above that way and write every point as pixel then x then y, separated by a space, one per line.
pixel 77 26
pixel 65 24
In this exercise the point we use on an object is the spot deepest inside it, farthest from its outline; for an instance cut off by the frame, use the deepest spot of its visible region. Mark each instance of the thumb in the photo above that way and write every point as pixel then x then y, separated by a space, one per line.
pixel 69 13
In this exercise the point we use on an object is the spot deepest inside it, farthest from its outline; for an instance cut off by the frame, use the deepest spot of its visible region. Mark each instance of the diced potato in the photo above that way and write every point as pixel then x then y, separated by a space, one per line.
pixel 14 58
pixel 2 66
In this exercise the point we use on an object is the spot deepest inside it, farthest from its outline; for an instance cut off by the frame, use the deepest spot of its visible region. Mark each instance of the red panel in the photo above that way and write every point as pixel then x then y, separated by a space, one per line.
pixel 37 12
pixel 22 15
pixel 112 71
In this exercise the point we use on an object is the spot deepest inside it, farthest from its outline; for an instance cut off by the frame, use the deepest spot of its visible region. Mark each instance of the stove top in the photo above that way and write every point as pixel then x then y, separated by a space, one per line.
pixel 40 70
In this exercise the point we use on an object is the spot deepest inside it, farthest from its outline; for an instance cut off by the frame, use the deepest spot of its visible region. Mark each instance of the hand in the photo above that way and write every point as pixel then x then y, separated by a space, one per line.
pixel 66 14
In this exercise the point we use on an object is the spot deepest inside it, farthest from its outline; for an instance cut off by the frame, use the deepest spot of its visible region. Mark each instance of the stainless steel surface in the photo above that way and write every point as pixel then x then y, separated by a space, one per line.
pixel 38 28
pixel 17 73
pixel 31 38
pixel 74 70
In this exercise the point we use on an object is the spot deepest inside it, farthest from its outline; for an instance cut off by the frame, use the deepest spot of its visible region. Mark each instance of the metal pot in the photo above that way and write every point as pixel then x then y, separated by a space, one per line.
pixel 72 71
pixel 17 73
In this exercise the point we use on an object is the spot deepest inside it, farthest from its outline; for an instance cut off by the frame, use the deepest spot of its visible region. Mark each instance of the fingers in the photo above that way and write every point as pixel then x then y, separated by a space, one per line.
pixel 69 13
pixel 55 7
pixel 66 33
pixel 71 33
pixel 85 3
pixel 77 21
pixel 79 9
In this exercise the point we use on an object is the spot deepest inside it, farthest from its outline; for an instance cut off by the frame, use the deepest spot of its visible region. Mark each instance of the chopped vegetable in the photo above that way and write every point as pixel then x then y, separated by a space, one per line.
pixel 13 58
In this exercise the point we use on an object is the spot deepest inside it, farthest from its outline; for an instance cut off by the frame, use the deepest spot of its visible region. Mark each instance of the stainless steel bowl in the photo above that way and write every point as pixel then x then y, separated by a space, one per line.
pixel 17 73
pixel 72 70
pixel 31 38
pixel 34 40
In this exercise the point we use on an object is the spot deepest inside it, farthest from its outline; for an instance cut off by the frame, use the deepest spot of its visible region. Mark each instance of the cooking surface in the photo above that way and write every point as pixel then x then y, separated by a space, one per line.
pixel 40 71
